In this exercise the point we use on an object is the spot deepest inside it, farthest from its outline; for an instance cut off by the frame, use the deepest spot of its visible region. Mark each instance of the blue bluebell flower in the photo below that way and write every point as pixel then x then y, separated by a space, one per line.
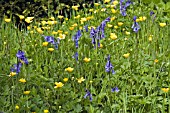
pixel 86 28
pixel 76 56
pixel 88 94
pixel 115 89
pixel 109 66
pixel 151 13
pixel 16 68
pixel 21 56
pixel 51 40
pixel 135 25
pixel 124 7
pixel 76 38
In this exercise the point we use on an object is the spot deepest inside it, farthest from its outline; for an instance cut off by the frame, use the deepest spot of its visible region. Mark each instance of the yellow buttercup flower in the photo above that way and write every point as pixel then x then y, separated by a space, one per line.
pixel 65 79
pixel 113 36
pixel 156 60
pixel 29 19
pixel 71 28
pixel 7 20
pixel 120 23
pixel 45 43
pixel 50 49
pixel 62 36
pixel 150 38
pixel 28 27
pixel 113 11
pixel 106 1
pixel 96 4
pixel 21 17
pixel 58 84
pixel 109 25
pixel 91 10
pixel 12 74
pixel 101 45
pixel 52 18
pixel 115 2
pixel 39 30
pixel 60 16
pixel 69 69
pixel 66 33
pixel 115 27
pixel 113 18
pixel 16 107
pixel 162 24
pixel 46 111
pixel 74 25
pixel 54 32
pixel 86 59
pixel 165 90
pixel 59 31
pixel 75 7
pixel 127 33
pixel 126 55
pixel 22 80
pixel 43 22
pixel 80 80
pixel 27 92
pixel 76 17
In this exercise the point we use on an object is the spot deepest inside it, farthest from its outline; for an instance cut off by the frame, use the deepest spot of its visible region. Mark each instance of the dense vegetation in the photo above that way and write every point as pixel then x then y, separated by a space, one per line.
pixel 110 56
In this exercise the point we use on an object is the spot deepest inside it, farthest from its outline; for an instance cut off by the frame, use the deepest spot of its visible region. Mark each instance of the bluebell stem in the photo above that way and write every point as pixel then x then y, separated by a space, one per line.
pixel 76 38
pixel 16 68
pixel 88 94
pixel 115 89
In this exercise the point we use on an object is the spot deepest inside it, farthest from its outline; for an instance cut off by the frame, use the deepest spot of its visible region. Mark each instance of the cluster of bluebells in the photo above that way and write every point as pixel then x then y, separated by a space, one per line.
pixel 20 58
pixel 51 40
pixel 135 25
pixel 124 7
pixel 109 66
pixel 98 34
pixel 76 38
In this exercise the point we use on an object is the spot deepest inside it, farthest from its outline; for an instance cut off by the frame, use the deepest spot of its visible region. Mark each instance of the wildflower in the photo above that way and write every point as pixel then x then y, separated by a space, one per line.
pixel 16 107
pixel 46 111
pixel 109 66
pixel 28 27
pixel 28 19
pixel 127 33
pixel 62 36
pixel 135 25
pixel 60 16
pixel 52 18
pixel 150 38
pixel 69 69
pixel 126 55
pixel 100 45
pixel 113 36
pixel 120 23
pixel 65 79
pixel 51 40
pixel 106 1
pixel 86 59
pixel 80 80
pixel 76 56
pixel 162 24
pixel 58 84
pixel 113 11
pixel 96 4
pixel 22 80
pixel 109 25
pixel 21 17
pixel 151 13
pixel 165 89
pixel 12 74
pixel 51 49
pixel 76 37
pixel 39 30
pixel 71 28
pixel 156 60
pixel 86 28
pixel 54 32
pixel 27 92
pixel 88 94
pixel 115 27
pixel 75 7
pixel 7 20
pixel 115 89
pixel 115 2
pixel 15 69
pixel 43 22
pixel 21 56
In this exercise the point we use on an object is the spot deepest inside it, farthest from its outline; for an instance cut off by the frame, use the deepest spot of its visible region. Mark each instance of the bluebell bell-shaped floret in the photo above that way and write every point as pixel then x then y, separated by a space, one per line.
pixel 25 60
pixel 109 66
pixel 76 56
pixel 107 19
pixel 16 68
pixel 88 94
pixel 128 3
pixel 92 32
pixel 20 54
pixel 115 89
pixel 86 28
pixel 134 18
pixel 123 10
pixel 135 27
pixel 151 13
